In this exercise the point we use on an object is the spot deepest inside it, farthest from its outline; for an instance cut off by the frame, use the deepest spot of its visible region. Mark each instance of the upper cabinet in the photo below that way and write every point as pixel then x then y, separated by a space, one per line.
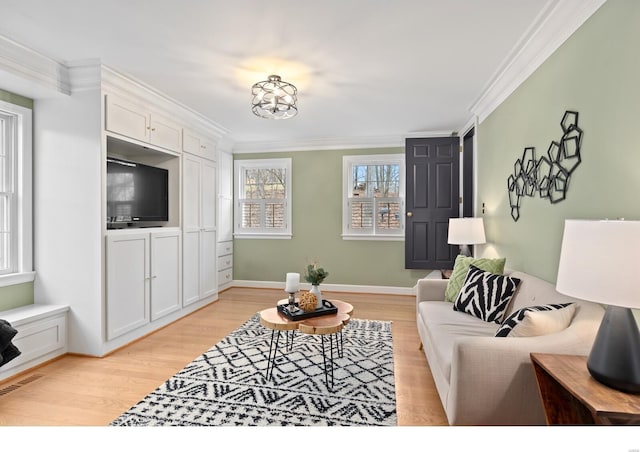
pixel 133 121
pixel 197 144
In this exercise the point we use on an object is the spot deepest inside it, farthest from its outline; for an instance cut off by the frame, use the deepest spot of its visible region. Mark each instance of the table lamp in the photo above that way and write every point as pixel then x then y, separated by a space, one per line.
pixel 292 285
pixel 465 232
pixel 599 263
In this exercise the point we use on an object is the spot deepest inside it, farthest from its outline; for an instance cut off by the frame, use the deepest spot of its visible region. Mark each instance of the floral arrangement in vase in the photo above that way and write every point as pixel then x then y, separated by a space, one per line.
pixel 314 274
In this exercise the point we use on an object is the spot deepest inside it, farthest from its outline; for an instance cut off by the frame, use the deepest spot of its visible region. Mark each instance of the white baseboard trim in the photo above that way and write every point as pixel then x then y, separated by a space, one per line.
pixel 392 290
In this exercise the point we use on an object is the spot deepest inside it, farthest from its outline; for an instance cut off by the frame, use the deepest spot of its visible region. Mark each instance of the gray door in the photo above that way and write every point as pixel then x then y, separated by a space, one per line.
pixel 432 198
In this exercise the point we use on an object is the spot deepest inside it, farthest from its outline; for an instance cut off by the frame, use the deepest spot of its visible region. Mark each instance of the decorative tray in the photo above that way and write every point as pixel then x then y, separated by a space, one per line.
pixel 326 309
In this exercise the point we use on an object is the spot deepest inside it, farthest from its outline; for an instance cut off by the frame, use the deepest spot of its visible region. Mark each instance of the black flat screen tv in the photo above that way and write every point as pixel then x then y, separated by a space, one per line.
pixel 136 193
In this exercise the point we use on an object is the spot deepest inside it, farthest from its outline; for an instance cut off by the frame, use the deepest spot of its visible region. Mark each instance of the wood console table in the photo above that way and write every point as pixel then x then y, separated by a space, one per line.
pixel 571 396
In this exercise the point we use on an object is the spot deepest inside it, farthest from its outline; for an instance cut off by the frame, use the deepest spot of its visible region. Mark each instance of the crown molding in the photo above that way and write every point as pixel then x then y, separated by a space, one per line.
pixel 315 144
pixel 558 20
pixel 32 72
pixel 332 143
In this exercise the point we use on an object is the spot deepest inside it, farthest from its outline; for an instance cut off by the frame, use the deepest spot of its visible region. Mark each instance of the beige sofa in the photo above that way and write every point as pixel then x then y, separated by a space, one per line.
pixel 487 380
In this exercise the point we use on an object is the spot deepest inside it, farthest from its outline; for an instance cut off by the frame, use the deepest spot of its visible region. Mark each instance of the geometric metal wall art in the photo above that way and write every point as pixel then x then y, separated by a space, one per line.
pixel 548 176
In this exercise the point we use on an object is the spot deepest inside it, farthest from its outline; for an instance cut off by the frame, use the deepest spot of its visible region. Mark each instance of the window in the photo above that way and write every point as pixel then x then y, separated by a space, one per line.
pixel 373 201
pixel 15 195
pixel 263 194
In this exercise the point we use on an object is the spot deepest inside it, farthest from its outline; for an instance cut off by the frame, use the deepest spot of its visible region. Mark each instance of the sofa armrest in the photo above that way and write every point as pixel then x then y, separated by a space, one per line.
pixel 429 289
pixel 492 379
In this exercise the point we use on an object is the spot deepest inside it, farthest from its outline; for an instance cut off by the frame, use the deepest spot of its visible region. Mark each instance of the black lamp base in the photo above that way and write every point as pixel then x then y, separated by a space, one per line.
pixel 615 356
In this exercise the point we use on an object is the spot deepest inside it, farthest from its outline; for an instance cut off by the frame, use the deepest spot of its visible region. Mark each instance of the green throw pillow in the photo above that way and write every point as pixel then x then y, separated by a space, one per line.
pixel 461 267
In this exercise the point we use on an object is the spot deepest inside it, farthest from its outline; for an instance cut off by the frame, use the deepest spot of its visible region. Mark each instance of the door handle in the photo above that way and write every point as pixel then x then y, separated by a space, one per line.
pixel 409 214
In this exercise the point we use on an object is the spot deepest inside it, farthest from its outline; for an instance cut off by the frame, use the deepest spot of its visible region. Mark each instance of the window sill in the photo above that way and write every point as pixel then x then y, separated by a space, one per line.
pixel 283 236
pixel 379 237
pixel 16 278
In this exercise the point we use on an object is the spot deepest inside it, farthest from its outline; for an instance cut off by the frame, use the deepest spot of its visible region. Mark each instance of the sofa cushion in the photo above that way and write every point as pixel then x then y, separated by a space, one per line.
pixel 445 327
pixel 461 267
pixel 537 320
pixel 485 295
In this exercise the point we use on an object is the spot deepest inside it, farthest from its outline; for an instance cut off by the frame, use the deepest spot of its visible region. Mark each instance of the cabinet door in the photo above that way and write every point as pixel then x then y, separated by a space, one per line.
pixel 190 229
pixel 191 193
pixel 208 149
pixel 196 144
pixel 126 118
pixel 225 219
pixel 208 247
pixel 209 188
pixel 191 142
pixel 165 133
pixel 225 175
pixel 225 197
pixel 166 273
pixel 127 276
pixel 190 267
pixel 208 264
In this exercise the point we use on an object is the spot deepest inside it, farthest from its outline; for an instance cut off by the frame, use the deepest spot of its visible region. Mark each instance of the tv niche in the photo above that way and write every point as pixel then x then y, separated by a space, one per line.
pixel 137 194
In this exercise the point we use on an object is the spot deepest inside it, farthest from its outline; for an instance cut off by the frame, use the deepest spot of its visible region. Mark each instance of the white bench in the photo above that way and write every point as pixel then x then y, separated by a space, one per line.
pixel 42 335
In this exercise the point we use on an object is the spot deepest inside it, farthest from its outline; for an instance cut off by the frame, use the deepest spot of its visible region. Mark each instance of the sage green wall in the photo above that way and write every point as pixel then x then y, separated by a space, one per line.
pixel 317 228
pixel 16 99
pixel 20 294
pixel 595 72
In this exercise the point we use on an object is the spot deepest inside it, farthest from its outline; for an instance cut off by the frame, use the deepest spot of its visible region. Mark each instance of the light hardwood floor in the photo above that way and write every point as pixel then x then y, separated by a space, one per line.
pixel 86 391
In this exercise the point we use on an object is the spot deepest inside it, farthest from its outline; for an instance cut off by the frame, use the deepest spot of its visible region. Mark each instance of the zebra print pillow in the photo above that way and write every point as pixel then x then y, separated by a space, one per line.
pixel 485 295
pixel 522 323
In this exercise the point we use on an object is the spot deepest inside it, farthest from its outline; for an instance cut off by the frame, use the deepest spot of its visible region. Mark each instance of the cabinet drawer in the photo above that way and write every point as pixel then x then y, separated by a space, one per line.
pixel 225 277
pixel 225 248
pixel 225 262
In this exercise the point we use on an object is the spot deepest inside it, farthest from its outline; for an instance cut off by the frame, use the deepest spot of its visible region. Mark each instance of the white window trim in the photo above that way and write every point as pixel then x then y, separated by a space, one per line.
pixel 23 185
pixel 239 167
pixel 378 159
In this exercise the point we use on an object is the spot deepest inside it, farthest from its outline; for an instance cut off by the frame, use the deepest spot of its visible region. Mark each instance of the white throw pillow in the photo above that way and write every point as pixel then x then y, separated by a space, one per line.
pixel 537 321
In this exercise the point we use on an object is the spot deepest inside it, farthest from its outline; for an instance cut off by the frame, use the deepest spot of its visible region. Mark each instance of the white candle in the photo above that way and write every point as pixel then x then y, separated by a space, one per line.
pixel 293 282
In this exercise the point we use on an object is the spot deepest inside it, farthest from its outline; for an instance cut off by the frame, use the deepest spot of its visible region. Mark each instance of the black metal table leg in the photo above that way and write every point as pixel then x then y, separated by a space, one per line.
pixel 272 357
pixel 328 363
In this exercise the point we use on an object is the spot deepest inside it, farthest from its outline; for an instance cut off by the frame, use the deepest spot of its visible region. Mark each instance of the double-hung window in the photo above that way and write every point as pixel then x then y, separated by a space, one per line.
pixel 263 198
pixel 15 194
pixel 373 199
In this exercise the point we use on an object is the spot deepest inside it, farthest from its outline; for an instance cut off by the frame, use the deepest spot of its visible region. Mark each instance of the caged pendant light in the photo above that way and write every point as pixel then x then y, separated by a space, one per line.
pixel 274 99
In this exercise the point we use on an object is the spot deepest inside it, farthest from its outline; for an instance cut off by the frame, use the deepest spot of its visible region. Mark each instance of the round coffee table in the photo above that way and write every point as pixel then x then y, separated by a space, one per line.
pixel 325 325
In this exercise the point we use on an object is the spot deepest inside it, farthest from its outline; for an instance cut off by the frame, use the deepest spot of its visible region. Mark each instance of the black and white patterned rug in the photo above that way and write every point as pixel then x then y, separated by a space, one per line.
pixel 227 385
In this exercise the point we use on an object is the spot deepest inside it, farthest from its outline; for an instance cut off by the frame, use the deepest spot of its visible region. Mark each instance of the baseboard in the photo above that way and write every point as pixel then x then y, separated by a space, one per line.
pixel 391 290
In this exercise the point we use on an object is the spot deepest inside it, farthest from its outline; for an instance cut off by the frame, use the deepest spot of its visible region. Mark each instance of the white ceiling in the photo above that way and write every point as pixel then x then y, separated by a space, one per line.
pixel 363 68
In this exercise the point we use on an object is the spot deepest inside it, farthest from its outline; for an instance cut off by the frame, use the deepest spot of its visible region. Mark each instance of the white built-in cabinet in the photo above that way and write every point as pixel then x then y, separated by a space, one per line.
pixel 121 284
pixel 199 188
pixel 134 121
pixel 144 278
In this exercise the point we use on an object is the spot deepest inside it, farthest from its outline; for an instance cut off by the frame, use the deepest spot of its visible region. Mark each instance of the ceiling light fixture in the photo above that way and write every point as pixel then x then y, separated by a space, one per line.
pixel 274 99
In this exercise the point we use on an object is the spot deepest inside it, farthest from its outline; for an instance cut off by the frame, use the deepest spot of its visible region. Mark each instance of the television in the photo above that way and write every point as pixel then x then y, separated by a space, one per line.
pixel 136 193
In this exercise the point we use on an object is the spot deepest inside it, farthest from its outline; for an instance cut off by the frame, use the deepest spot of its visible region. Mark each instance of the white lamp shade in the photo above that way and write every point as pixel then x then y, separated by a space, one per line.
pixel 599 262
pixel 466 231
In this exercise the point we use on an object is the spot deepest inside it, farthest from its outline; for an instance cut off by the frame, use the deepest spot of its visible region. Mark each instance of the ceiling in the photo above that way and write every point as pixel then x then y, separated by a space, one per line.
pixel 363 68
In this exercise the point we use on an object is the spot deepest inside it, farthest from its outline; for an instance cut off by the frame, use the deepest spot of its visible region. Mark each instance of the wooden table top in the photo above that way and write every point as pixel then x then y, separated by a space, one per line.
pixel 572 373
pixel 325 324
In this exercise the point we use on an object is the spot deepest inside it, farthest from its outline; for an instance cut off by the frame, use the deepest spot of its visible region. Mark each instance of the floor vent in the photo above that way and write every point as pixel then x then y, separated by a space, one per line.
pixel 19 384
pixel 8 389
